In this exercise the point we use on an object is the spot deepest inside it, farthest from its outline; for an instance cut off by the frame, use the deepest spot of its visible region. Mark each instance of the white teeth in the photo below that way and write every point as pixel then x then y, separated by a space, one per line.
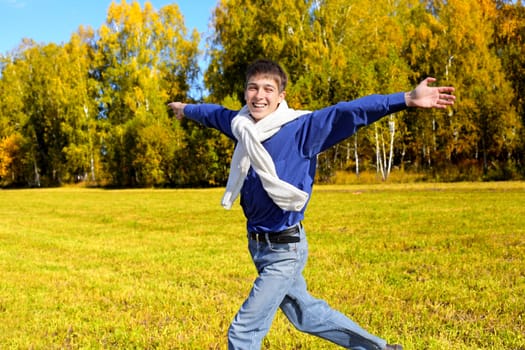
pixel 259 105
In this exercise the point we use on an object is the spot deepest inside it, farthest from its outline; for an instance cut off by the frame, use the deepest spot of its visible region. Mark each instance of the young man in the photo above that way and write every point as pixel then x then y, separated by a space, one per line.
pixel 273 169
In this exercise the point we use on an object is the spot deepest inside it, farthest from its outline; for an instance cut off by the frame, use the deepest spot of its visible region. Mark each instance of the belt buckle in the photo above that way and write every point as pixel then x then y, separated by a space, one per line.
pixel 258 237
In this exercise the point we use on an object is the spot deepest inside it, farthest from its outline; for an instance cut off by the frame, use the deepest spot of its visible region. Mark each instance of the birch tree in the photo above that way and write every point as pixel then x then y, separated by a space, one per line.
pixel 452 41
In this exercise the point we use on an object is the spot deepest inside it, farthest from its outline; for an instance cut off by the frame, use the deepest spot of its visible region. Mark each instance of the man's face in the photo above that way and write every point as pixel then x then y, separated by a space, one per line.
pixel 262 96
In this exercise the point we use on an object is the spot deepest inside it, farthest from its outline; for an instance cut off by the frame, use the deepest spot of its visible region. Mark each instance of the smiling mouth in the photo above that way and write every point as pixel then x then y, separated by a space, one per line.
pixel 259 105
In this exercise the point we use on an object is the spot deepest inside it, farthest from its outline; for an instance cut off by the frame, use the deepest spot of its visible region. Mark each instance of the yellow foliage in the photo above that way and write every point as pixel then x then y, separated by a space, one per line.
pixel 9 151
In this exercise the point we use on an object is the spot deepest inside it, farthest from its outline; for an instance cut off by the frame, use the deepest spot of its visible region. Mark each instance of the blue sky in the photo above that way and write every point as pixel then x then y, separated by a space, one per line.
pixel 54 21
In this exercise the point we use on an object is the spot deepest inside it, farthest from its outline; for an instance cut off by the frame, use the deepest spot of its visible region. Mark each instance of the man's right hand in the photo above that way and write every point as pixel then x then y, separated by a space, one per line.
pixel 178 109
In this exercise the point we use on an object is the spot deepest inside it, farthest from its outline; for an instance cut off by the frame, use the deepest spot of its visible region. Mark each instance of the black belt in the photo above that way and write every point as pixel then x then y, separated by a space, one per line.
pixel 288 235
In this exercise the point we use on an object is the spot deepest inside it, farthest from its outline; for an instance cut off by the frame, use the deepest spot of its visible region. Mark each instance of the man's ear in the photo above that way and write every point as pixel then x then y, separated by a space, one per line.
pixel 282 95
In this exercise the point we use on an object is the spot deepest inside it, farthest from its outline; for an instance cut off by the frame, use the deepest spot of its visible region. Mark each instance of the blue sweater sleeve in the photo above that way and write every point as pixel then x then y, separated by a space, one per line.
pixel 213 116
pixel 328 126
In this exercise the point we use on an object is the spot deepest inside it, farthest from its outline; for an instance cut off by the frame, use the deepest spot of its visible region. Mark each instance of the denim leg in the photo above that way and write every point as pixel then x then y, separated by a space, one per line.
pixel 316 317
pixel 278 266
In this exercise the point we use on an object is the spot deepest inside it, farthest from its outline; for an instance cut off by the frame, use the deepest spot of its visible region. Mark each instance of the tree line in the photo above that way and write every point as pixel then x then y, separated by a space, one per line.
pixel 94 109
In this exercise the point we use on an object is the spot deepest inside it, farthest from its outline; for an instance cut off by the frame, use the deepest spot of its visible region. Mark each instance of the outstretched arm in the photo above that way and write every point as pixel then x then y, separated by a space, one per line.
pixel 424 96
pixel 209 115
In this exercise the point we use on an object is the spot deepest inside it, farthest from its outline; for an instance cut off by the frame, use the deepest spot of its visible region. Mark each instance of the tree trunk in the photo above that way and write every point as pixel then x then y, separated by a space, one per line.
pixel 356 156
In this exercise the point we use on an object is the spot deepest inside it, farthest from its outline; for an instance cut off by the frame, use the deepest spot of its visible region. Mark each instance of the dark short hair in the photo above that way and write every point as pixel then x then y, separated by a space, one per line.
pixel 270 69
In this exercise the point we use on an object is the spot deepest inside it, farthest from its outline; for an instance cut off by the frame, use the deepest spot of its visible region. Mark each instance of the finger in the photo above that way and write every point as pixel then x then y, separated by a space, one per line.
pixel 449 89
pixel 447 96
pixel 445 101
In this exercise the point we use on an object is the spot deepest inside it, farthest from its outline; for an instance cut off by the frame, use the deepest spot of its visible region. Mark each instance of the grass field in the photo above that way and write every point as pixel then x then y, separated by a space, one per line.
pixel 431 266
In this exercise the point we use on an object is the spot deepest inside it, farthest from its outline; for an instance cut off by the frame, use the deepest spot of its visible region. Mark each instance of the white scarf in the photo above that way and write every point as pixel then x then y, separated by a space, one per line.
pixel 250 152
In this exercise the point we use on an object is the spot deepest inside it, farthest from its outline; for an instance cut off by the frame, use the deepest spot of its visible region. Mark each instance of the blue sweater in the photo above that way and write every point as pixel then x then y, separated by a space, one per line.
pixel 294 149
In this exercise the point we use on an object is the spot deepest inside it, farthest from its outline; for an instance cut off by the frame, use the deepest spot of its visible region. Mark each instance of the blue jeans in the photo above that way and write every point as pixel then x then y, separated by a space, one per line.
pixel 281 284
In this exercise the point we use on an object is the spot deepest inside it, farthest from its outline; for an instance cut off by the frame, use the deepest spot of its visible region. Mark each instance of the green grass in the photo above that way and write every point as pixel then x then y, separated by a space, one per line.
pixel 432 266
